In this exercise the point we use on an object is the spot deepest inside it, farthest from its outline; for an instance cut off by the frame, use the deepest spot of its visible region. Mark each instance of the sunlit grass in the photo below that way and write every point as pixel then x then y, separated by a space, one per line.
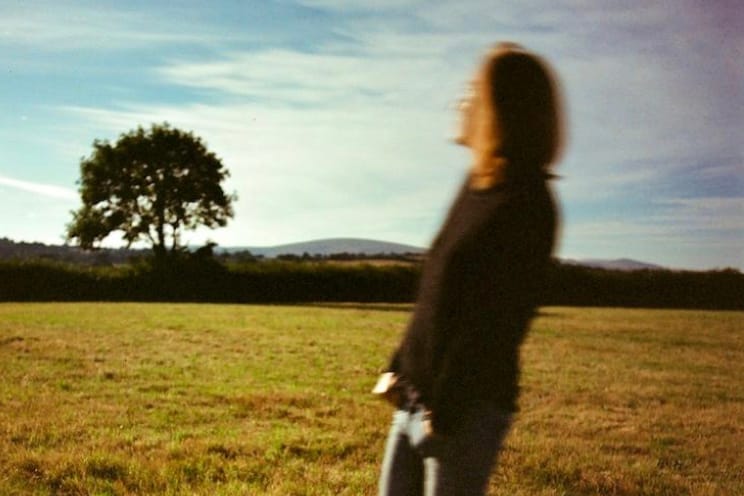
pixel 228 399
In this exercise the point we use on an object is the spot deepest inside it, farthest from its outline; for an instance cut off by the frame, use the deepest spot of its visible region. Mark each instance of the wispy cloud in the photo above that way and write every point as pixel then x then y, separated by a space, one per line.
pixel 65 26
pixel 277 77
pixel 334 115
pixel 676 232
pixel 299 172
pixel 40 189
pixel 346 6
pixel 706 214
pixel 679 221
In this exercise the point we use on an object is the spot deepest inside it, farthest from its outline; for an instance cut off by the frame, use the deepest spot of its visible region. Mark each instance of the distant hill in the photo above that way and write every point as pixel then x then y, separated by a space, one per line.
pixel 617 264
pixel 12 250
pixel 325 247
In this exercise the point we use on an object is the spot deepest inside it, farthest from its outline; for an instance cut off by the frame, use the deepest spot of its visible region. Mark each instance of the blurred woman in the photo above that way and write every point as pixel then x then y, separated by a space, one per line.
pixel 456 369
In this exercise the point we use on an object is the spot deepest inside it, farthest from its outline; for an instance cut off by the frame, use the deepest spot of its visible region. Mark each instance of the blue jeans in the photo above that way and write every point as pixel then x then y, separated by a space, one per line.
pixel 457 464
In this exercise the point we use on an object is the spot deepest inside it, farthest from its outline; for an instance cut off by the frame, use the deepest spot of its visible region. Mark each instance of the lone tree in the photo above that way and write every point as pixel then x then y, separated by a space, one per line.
pixel 151 185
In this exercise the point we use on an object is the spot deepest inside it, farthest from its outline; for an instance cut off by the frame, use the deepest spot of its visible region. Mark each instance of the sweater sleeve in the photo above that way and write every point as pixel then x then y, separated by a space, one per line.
pixel 394 364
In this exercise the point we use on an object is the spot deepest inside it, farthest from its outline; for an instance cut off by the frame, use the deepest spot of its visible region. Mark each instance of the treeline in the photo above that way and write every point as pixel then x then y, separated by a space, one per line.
pixel 207 280
pixel 583 286
pixel 16 251
pixel 201 278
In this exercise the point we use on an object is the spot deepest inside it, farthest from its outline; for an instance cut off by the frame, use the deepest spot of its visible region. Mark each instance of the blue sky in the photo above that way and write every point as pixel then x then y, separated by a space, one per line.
pixel 335 117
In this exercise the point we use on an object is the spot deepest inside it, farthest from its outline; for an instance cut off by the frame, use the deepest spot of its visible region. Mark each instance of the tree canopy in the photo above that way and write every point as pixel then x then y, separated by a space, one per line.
pixel 151 185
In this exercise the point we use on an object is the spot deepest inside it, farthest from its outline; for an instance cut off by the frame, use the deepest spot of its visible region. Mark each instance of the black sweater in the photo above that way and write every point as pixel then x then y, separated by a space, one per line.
pixel 476 296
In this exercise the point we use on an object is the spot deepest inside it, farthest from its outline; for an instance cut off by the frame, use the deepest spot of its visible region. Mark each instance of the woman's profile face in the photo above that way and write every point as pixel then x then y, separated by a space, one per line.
pixel 465 109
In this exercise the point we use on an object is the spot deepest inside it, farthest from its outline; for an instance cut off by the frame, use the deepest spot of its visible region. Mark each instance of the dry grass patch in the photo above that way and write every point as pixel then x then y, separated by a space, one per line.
pixel 115 399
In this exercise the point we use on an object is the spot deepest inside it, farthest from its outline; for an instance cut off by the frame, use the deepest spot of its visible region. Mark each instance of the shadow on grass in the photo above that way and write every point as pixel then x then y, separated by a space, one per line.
pixel 382 307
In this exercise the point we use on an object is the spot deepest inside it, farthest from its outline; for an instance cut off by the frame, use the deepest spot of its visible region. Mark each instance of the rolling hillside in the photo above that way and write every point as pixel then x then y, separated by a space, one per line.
pixel 331 246
pixel 12 250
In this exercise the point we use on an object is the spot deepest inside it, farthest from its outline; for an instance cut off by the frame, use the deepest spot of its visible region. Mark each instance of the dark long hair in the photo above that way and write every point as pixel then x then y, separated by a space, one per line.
pixel 517 115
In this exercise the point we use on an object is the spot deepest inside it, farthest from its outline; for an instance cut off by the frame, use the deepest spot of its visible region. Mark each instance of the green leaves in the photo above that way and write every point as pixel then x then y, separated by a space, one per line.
pixel 151 185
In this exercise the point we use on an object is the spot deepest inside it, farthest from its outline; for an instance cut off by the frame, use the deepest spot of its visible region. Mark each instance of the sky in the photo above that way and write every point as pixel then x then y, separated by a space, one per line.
pixel 336 117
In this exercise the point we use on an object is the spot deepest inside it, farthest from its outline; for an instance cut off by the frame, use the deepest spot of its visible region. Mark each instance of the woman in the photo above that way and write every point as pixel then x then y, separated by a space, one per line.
pixel 457 366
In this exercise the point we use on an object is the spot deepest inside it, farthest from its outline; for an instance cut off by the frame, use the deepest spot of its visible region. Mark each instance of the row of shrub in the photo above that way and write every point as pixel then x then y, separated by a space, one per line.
pixel 582 286
pixel 201 280
pixel 193 280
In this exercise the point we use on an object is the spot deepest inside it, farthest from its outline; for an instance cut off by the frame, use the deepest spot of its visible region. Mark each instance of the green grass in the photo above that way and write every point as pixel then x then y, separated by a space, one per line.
pixel 108 399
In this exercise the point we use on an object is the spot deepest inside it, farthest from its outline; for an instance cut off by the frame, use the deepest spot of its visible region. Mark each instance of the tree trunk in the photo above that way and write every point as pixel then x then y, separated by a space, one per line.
pixel 159 248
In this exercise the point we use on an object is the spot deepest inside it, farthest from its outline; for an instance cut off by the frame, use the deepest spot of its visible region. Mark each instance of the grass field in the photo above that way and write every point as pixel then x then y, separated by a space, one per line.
pixel 225 399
